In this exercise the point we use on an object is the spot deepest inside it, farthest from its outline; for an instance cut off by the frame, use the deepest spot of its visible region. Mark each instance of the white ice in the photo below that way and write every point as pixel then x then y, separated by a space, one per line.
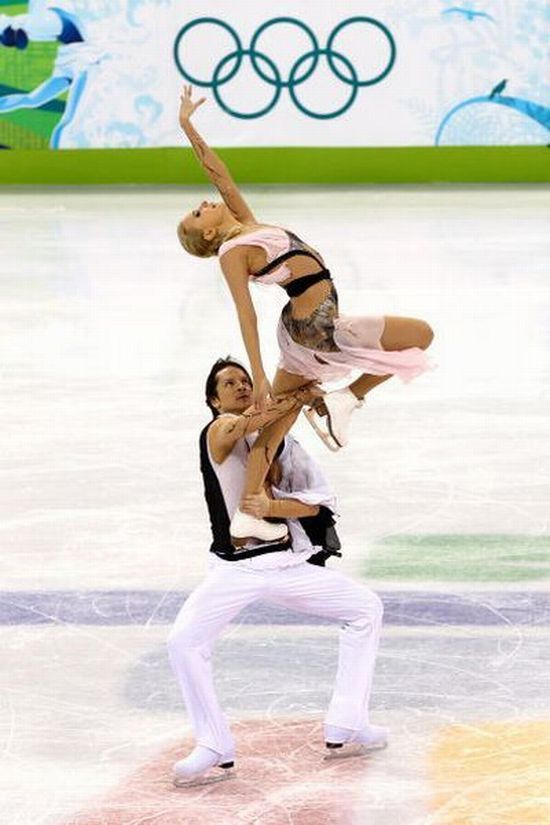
pixel 107 331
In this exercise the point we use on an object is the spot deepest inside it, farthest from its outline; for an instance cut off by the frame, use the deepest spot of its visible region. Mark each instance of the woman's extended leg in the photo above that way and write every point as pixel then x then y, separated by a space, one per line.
pixel 399 334
pixel 266 445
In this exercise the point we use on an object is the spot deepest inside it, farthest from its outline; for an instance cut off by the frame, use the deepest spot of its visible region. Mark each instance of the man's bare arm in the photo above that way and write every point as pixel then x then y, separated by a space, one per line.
pixel 226 431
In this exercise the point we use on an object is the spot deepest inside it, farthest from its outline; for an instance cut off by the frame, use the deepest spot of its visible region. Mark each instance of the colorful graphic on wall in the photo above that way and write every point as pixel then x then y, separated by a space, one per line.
pixel 107 73
pixel 66 78
pixel 70 75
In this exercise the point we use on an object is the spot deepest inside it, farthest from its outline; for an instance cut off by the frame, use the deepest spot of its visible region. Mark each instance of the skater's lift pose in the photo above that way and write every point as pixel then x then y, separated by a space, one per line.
pixel 290 574
pixel 316 342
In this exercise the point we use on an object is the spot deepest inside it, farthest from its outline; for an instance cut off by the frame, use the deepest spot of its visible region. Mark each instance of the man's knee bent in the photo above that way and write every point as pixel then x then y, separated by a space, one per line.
pixel 183 639
pixel 372 609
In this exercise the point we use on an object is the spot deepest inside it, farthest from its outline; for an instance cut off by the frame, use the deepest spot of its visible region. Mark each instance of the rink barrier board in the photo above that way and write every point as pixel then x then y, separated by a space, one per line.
pixel 290 165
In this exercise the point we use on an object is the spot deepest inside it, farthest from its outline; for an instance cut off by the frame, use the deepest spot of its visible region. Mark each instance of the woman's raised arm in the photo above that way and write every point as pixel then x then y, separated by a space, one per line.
pixel 215 168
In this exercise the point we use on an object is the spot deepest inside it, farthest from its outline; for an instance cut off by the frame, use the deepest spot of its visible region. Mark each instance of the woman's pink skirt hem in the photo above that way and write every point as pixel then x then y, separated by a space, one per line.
pixel 359 342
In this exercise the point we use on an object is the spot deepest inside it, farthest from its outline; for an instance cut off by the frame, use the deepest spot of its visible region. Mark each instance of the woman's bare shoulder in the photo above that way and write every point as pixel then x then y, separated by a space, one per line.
pixel 257 229
pixel 240 245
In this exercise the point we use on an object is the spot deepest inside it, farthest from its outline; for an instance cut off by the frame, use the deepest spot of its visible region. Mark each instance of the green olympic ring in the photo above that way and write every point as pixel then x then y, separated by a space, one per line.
pixel 353 82
pixel 371 21
pixel 199 22
pixel 293 22
pixel 273 76
pixel 277 83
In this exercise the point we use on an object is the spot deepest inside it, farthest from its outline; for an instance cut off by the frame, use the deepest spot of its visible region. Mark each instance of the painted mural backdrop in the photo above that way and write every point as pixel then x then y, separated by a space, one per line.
pixel 107 73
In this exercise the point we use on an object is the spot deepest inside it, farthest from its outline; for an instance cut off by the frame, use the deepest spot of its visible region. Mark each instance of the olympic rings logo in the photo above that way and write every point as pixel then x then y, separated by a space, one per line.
pixel 267 70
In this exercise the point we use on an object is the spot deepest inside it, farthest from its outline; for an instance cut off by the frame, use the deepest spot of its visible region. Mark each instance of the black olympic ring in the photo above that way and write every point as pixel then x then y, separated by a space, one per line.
pixel 224 71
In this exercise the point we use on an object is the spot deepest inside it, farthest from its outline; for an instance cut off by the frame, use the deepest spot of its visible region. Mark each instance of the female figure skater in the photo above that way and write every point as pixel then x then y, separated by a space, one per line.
pixel 316 343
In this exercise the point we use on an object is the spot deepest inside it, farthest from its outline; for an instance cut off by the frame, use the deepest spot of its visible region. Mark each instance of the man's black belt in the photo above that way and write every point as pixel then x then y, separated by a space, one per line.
pixel 234 554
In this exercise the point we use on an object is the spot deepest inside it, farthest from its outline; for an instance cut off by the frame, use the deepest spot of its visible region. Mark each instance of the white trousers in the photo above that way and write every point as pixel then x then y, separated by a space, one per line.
pixel 227 589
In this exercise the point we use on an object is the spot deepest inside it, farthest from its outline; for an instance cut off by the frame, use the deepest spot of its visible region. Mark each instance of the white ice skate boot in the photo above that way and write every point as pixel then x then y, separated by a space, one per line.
pixel 339 404
pixel 342 743
pixel 202 767
pixel 245 527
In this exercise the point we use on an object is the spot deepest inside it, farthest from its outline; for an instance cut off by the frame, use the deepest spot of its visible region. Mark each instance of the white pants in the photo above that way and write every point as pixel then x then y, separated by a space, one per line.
pixel 304 587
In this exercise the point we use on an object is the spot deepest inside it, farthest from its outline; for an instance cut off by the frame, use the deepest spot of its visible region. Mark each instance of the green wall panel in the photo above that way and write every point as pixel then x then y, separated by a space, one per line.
pixel 280 165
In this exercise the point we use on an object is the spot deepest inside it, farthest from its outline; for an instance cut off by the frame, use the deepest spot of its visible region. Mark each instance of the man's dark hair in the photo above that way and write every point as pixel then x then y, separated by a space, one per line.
pixel 211 387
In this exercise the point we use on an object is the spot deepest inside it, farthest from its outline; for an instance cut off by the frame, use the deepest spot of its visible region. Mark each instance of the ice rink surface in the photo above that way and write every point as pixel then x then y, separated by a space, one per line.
pixel 107 331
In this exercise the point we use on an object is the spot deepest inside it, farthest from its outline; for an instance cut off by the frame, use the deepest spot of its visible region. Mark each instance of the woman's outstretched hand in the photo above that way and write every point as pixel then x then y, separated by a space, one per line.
pixel 187 105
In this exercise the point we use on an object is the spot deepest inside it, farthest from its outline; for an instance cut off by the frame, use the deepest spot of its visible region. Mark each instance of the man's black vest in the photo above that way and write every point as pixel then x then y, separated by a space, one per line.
pixel 319 529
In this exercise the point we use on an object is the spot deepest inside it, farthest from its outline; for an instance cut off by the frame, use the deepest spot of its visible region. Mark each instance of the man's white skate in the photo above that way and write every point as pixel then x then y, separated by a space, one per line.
pixel 333 429
pixel 203 767
pixel 245 527
pixel 343 744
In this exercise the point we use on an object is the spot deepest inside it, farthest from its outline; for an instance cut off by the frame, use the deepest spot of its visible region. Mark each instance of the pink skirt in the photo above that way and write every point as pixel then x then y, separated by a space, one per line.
pixel 358 339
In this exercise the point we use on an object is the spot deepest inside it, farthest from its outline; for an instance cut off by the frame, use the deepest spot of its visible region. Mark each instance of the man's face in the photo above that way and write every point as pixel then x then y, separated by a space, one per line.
pixel 234 391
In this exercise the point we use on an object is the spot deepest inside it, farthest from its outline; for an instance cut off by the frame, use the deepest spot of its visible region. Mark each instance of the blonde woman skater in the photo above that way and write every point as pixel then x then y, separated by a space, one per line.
pixel 316 342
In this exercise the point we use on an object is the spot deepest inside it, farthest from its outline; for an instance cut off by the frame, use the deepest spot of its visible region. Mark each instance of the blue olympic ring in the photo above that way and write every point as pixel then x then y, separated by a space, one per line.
pixel 300 71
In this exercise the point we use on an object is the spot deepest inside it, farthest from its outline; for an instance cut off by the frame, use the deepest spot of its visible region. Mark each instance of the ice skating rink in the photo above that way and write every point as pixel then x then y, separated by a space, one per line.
pixel 107 331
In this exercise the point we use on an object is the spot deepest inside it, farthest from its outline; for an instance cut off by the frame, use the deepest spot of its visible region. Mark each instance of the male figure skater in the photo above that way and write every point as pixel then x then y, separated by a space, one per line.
pixel 278 573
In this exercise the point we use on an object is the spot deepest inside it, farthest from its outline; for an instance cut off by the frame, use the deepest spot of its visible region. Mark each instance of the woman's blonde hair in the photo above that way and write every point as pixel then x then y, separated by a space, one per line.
pixel 195 243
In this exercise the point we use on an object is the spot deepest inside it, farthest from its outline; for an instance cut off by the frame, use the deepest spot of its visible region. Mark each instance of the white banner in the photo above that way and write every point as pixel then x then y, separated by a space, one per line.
pixel 397 73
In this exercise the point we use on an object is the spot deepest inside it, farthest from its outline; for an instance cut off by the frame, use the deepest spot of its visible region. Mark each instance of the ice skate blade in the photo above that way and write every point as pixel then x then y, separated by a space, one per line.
pixel 240 544
pixel 221 775
pixel 325 435
pixel 353 749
